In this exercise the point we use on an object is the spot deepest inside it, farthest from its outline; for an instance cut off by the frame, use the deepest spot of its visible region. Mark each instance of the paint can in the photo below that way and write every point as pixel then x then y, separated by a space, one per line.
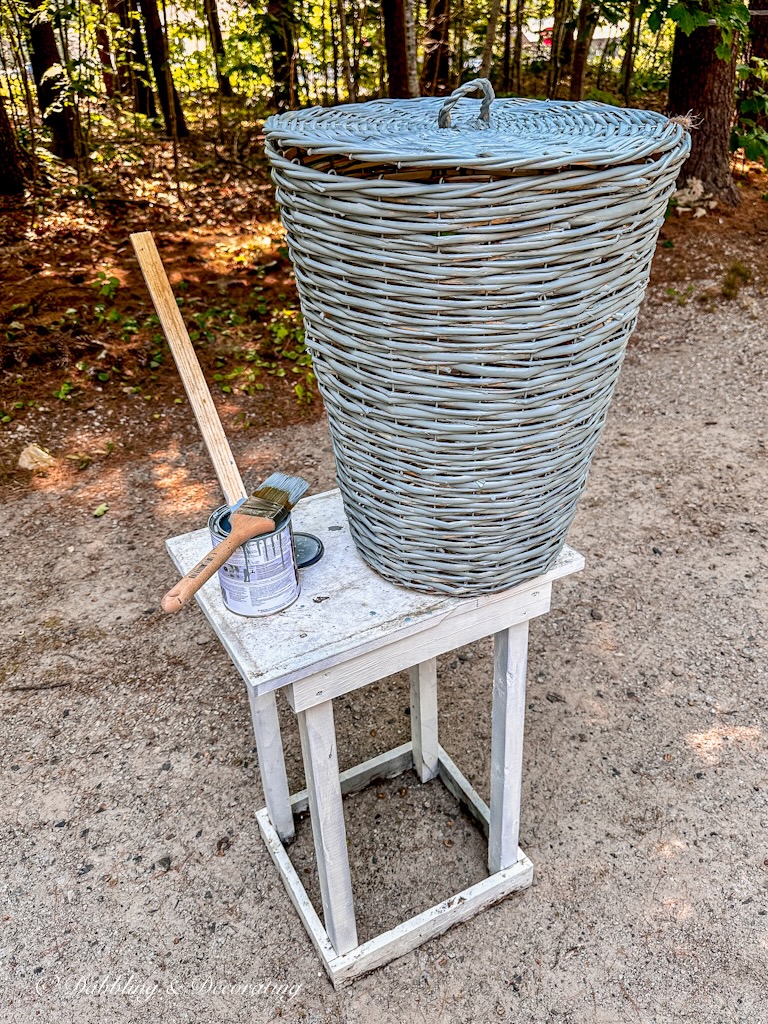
pixel 261 576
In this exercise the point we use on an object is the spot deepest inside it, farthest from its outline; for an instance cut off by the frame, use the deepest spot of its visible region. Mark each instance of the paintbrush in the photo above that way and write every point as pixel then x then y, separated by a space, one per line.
pixel 263 512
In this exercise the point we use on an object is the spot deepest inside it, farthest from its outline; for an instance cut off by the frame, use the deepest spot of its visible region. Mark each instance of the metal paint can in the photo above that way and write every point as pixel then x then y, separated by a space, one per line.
pixel 261 576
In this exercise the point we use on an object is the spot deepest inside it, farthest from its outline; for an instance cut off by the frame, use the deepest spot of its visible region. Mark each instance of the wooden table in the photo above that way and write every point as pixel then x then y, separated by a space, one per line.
pixel 350 628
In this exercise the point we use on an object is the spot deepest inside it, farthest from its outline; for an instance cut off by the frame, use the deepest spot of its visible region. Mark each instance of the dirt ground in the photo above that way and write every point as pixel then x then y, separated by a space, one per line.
pixel 137 887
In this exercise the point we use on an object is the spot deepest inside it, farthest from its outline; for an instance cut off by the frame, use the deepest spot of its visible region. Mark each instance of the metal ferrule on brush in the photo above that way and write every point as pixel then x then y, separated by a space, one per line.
pixel 274 510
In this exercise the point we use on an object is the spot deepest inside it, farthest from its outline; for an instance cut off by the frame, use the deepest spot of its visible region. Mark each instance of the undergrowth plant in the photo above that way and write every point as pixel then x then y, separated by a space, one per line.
pixel 749 130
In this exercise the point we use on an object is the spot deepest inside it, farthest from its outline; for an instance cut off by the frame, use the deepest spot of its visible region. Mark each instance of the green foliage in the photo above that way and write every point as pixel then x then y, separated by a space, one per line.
pixel 262 337
pixel 752 138
pixel 749 130
pixel 8 413
pixel 106 285
pixel 688 17
pixel 115 133
pixel 738 275
pixel 730 16
pixel 109 121
pixel 681 298
pixel 650 80
pixel 280 353
pixel 602 96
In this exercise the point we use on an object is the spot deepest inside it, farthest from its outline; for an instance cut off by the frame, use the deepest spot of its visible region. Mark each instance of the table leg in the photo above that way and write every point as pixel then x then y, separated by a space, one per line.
pixel 326 812
pixel 269 747
pixel 509 669
pixel 424 719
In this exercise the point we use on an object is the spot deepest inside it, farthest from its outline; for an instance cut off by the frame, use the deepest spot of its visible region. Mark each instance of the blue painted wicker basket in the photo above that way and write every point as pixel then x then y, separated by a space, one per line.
pixel 468 289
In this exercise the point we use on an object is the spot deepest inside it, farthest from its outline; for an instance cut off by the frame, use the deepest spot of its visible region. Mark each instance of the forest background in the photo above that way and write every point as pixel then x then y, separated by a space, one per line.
pixel 117 115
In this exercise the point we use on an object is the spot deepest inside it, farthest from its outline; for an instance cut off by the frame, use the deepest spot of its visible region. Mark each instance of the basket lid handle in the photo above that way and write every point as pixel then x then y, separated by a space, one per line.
pixel 476 85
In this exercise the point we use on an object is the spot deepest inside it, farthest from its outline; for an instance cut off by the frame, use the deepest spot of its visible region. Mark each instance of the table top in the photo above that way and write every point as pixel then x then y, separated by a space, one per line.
pixel 344 609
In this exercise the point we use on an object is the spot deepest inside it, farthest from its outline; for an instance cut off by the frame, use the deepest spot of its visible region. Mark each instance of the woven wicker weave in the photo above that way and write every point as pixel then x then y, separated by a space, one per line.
pixel 468 293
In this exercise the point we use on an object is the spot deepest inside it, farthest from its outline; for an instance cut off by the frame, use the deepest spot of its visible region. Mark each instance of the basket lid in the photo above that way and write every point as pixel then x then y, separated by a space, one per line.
pixel 513 134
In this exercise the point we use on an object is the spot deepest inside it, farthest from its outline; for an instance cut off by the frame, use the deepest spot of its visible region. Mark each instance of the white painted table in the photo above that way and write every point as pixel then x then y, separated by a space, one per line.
pixel 350 628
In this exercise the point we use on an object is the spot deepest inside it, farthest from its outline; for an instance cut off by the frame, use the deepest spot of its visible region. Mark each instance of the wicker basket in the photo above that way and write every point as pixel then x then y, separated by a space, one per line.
pixel 468 290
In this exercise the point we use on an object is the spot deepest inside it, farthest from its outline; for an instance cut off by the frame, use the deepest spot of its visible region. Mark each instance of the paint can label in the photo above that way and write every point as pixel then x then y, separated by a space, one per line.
pixel 261 576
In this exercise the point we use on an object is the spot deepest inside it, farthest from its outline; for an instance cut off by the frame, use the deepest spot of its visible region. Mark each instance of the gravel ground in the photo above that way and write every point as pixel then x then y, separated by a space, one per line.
pixel 137 886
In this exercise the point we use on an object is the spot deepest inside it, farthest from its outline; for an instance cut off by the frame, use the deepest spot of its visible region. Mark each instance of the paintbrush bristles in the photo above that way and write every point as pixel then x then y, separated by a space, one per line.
pixel 293 488
pixel 276 496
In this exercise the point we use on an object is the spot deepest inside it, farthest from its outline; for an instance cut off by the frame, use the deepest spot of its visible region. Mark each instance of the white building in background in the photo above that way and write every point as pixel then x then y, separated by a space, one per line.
pixel 537 36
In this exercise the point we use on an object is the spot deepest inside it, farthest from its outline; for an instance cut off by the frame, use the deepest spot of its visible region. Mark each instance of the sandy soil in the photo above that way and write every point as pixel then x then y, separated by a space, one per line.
pixel 132 859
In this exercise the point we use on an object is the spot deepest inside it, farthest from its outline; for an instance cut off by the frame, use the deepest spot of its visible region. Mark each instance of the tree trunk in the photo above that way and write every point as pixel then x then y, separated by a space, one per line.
pixel 586 24
pixel 381 54
pixel 121 33
pixel 459 35
pixel 335 51
pixel 358 22
pixel 217 45
pixel 506 65
pixel 157 44
pixel 345 58
pixel 397 55
pixel 758 36
pixel 105 57
pixel 131 58
pixel 410 48
pixel 703 83
pixel 628 64
pixel 517 53
pixel 11 166
pixel 280 33
pixel 143 96
pixel 566 46
pixel 436 73
pixel 563 11
pixel 51 83
pixel 324 55
pixel 490 39
pixel 758 48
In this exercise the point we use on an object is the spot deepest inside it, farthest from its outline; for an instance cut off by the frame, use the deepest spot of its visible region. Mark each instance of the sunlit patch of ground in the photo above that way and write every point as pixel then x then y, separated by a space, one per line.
pixel 711 744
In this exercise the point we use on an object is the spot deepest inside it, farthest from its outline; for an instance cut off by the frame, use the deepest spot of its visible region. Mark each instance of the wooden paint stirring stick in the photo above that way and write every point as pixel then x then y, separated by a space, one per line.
pixel 276 496
pixel 266 723
pixel 187 362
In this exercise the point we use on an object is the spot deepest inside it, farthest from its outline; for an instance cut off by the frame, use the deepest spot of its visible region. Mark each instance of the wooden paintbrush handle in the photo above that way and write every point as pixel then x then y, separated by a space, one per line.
pixel 179 595
pixel 188 585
